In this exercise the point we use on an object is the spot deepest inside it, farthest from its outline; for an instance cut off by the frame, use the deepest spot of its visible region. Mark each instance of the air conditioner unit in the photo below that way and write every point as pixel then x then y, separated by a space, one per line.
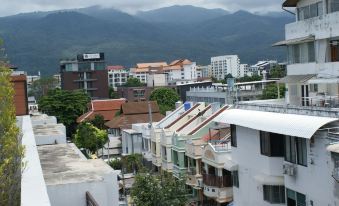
pixel 289 169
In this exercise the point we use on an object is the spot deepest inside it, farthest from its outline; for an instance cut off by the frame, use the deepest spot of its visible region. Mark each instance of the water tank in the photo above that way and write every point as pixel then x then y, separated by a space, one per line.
pixel 187 106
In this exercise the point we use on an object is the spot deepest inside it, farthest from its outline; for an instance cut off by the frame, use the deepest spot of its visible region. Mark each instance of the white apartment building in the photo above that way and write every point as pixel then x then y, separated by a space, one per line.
pixel 204 72
pixel 223 65
pixel 142 70
pixel 245 70
pixel 286 150
pixel 180 70
pixel 117 76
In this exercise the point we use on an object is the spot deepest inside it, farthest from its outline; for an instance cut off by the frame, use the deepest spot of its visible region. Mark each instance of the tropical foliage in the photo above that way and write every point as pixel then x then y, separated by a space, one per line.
pixel 271 91
pixel 152 189
pixel 41 86
pixel 166 99
pixel 11 151
pixel 67 106
pixel 89 137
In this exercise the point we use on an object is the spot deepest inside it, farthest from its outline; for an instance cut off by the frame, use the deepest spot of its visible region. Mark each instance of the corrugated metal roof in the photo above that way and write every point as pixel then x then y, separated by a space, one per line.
pixel 287 124
pixel 296 78
pixel 295 41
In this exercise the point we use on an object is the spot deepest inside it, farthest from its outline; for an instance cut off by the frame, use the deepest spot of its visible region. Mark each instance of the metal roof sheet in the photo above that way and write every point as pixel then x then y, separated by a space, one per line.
pixel 295 41
pixel 287 124
pixel 296 78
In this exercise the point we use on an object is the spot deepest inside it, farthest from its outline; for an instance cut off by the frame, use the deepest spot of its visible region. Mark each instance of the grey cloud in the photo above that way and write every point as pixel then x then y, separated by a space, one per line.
pixel 10 7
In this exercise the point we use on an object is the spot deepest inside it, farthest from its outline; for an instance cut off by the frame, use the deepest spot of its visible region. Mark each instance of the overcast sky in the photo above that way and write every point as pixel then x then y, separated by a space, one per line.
pixel 10 7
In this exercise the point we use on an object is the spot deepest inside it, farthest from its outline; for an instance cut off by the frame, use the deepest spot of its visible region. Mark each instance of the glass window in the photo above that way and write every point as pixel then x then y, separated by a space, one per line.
pixel 233 135
pixel 334 51
pixel 295 198
pixel 301 151
pixel 334 5
pixel 99 66
pixel 274 194
pixel 295 150
pixel 235 179
pixel 271 144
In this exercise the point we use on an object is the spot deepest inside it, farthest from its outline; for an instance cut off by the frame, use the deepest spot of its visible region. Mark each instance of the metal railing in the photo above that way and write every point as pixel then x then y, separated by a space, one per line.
pixel 321 101
pixel 90 201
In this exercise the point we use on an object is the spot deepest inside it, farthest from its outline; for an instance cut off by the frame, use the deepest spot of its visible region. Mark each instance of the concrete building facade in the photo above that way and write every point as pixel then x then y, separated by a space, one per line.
pixel 224 65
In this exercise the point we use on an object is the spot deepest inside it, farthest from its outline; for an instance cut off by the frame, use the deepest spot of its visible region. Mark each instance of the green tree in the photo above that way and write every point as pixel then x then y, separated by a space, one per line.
pixel 249 78
pixel 166 98
pixel 277 72
pixel 11 151
pixel 132 163
pixel 67 106
pixel 89 137
pixel 133 82
pixel 150 190
pixel 41 87
pixel 116 164
pixel 271 91
pixel 113 94
pixel 98 121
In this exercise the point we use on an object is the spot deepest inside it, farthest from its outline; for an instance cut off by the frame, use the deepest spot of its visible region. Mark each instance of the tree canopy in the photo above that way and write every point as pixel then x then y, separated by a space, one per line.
pixel 98 121
pixel 133 82
pixel 11 151
pixel 271 91
pixel 67 106
pixel 152 189
pixel 90 137
pixel 41 86
pixel 249 78
pixel 277 72
pixel 166 98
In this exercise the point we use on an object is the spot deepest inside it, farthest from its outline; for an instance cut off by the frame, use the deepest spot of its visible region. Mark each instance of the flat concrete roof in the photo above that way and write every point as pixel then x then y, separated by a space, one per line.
pixel 49 129
pixel 65 164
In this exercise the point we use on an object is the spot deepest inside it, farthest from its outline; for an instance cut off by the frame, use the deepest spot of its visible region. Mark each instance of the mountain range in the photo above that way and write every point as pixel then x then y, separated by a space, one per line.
pixel 37 41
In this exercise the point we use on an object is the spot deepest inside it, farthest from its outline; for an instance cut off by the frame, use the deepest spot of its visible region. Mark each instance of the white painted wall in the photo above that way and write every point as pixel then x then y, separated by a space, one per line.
pixel 105 192
pixel 251 163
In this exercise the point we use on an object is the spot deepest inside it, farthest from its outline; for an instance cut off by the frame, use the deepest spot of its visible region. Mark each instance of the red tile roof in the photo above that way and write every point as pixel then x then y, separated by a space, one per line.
pixel 115 67
pixel 107 108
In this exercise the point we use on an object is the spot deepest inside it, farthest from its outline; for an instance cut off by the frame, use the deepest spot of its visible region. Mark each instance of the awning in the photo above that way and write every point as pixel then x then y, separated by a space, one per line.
pixel 296 79
pixel 333 148
pixel 286 124
pixel 269 179
pixel 295 41
pixel 324 81
pixel 230 165
pixel 290 3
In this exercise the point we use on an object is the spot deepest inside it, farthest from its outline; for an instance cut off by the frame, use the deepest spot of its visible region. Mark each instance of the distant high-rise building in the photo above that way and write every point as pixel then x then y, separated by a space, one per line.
pixel 117 76
pixel 224 65
pixel 87 72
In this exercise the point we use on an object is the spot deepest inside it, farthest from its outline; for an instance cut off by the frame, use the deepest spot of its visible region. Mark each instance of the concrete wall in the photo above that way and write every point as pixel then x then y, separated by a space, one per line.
pixel 104 192
pixel 251 163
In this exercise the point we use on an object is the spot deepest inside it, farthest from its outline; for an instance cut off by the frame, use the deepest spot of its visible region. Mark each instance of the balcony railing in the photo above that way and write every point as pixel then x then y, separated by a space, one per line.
pixel 217 181
pixel 321 101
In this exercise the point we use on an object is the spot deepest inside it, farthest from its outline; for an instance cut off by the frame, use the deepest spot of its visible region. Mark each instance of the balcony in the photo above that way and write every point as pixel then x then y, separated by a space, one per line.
pixel 322 27
pixel 194 150
pixel 194 180
pixel 267 106
pixel 178 171
pixel 217 181
pixel 166 140
pixel 218 188
pixel 167 166
pixel 156 160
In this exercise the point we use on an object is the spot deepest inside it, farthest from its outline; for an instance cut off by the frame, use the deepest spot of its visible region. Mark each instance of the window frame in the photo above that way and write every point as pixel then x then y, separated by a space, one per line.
pixel 235 178
pixel 296 150
pixel 272 144
pixel 269 192
pixel 234 142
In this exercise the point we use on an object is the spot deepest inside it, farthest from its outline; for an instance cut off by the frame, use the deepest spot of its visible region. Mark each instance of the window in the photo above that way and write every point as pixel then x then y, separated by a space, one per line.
pixel 295 198
pixel 271 144
pixel 313 87
pixel 233 135
pixel 235 179
pixel 274 194
pixel 295 150
pixel 310 11
pixel 334 51
pixel 334 5
pixel 301 53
